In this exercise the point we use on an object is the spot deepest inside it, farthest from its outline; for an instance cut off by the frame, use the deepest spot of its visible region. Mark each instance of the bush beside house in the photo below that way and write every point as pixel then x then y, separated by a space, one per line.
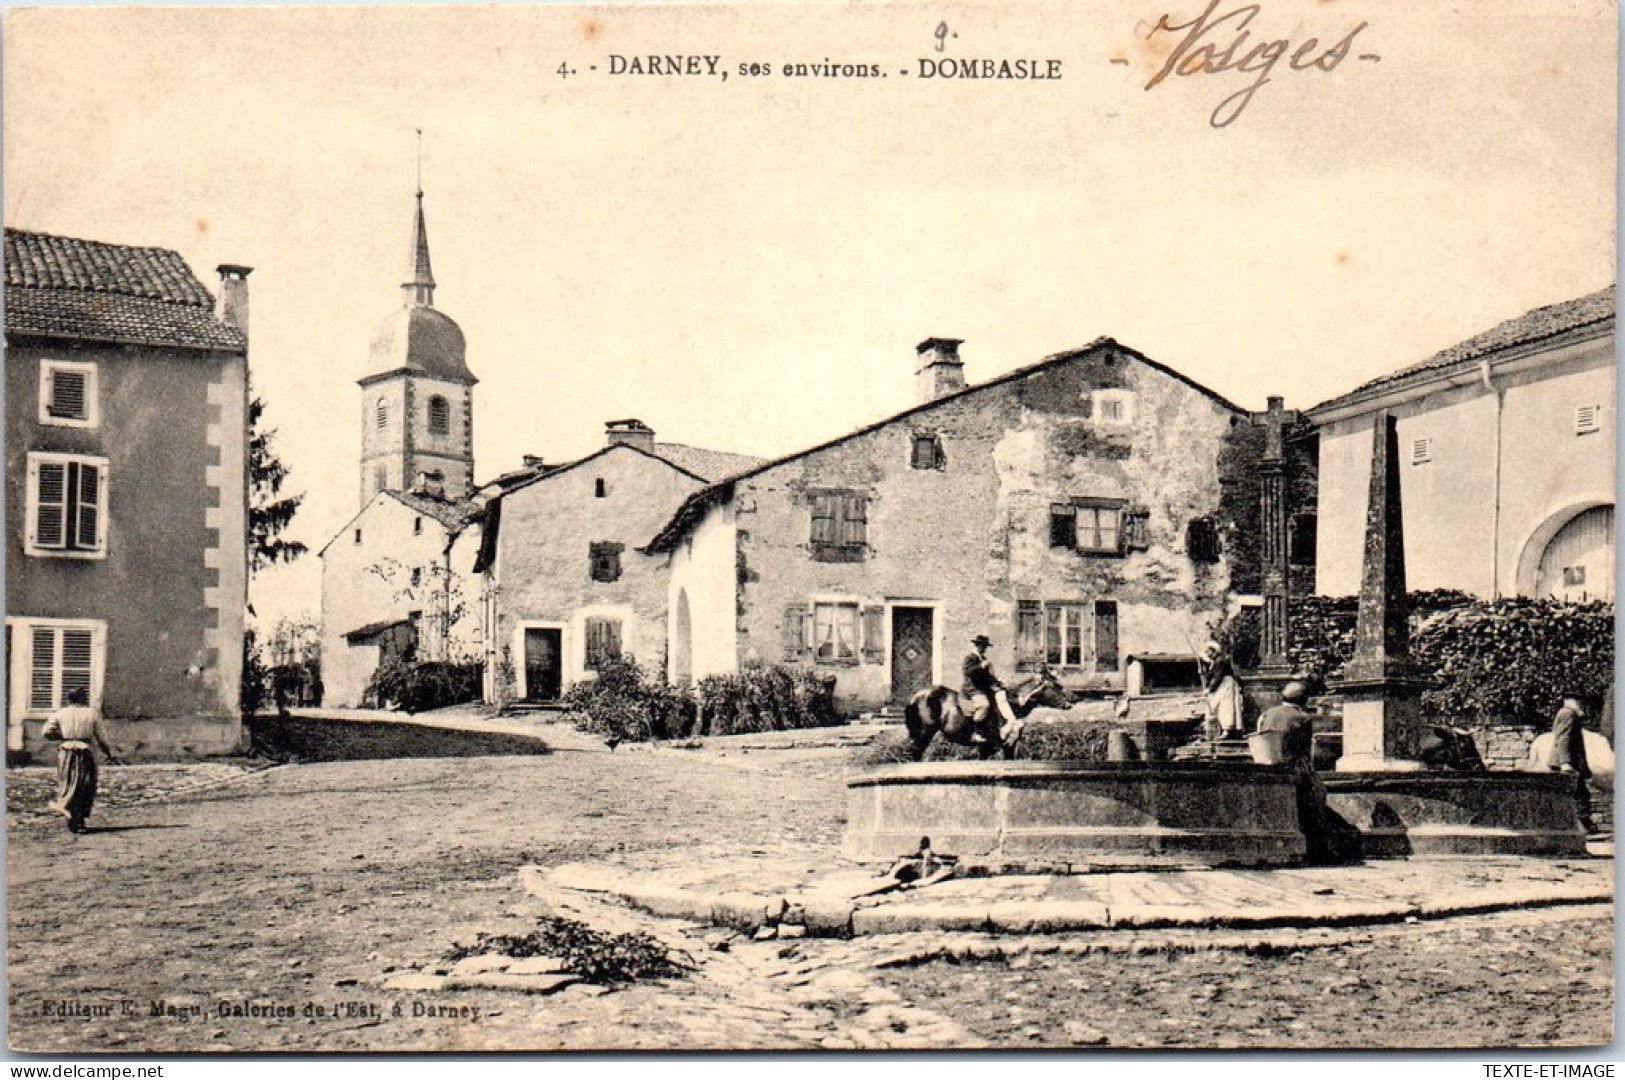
pixel 627 704
pixel 1492 662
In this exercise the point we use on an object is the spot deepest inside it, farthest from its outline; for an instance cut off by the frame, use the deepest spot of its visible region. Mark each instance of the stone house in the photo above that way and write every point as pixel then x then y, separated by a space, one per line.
pixel 126 399
pixel 534 573
pixel 1068 509
pixel 565 586
pixel 396 585
pixel 1508 443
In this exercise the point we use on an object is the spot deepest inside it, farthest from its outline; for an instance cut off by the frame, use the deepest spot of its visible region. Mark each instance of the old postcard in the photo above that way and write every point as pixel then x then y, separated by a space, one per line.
pixel 810 526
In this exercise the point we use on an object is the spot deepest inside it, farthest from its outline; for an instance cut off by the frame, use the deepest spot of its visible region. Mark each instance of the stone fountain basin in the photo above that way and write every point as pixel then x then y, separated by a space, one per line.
pixel 1068 816
pixel 1459 813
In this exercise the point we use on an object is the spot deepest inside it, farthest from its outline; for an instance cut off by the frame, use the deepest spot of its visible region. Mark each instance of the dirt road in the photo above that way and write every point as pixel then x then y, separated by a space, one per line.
pixel 265 913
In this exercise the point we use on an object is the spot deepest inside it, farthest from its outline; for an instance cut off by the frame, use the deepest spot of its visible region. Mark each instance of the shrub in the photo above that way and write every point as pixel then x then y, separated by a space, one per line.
pixel 764 698
pixel 417 687
pixel 626 704
pixel 251 691
pixel 1489 660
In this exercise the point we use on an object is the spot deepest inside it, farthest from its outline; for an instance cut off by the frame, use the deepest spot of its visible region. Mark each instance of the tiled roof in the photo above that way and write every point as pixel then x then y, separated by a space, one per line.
pixel 452 513
pixel 58 286
pixel 692 508
pixel 708 465
pixel 1532 326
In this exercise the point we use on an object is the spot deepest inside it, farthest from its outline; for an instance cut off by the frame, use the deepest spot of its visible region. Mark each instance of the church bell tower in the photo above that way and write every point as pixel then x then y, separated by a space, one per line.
pixel 417 397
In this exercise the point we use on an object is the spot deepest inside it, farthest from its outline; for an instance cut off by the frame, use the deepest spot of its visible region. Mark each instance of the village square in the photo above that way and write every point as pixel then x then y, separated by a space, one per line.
pixel 1078 698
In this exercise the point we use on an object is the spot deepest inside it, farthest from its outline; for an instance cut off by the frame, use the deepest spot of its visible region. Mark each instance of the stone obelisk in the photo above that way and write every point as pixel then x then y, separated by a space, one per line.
pixel 1382 716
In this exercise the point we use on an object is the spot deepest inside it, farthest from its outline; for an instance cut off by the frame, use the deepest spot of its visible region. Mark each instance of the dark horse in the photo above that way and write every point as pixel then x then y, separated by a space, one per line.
pixel 940 709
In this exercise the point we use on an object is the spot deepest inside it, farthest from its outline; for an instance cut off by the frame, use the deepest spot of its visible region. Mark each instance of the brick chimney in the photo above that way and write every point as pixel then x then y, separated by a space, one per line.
pixel 533 461
pixel 231 308
pixel 941 372
pixel 634 433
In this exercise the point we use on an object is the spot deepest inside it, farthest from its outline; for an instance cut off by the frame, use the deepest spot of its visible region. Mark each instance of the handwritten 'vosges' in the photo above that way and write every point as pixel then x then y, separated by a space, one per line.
pixel 1215 43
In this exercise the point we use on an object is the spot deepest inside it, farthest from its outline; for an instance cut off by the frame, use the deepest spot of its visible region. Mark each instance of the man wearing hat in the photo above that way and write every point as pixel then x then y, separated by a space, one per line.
pixel 1569 755
pixel 980 682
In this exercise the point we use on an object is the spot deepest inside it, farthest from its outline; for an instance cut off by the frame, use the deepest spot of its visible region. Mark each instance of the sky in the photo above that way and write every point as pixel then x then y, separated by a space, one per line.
pixel 747 263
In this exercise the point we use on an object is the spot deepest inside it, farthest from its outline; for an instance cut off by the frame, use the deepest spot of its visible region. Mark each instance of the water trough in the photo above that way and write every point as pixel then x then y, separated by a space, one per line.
pixel 1012 816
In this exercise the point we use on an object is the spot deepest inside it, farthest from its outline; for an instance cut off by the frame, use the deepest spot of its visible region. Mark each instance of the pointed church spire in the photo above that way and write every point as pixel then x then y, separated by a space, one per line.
pixel 420 290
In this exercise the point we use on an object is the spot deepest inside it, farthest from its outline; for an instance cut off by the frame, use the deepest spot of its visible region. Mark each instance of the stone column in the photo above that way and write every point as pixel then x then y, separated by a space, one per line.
pixel 1382 718
pixel 1273 662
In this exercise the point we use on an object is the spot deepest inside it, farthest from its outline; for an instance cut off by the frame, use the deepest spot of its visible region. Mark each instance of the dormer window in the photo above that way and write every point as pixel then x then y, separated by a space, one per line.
pixel 439 416
pixel 1112 408
pixel 67 394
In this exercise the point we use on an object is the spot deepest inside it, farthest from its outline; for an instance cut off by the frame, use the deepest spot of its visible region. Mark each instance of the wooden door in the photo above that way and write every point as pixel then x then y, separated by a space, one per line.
pixel 911 648
pixel 544 664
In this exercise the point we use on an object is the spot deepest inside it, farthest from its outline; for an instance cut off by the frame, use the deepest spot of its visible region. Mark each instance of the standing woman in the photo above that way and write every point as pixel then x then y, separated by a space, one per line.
pixel 79 736
pixel 1223 691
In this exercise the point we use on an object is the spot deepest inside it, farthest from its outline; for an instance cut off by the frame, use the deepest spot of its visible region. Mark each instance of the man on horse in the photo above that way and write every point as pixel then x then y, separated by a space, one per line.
pixel 981 682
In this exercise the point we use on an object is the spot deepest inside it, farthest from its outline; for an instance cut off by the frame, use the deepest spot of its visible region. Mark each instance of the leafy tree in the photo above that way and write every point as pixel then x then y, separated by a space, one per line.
pixel 269 511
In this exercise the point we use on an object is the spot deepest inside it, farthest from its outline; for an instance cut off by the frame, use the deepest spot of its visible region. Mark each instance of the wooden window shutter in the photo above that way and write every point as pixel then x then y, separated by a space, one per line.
pixel 874 633
pixel 68 397
pixel 1063 526
pixel 42 673
pixel 77 660
pixel 603 642
pixel 854 521
pixel 1136 530
pixel 1029 635
pixel 595 644
pixel 51 504
pixel 87 523
pixel 1106 658
pixel 824 530
pixel 797 639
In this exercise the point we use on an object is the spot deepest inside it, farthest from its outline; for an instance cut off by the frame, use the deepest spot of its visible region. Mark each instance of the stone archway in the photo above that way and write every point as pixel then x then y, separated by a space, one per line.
pixel 1571 554
pixel 682 648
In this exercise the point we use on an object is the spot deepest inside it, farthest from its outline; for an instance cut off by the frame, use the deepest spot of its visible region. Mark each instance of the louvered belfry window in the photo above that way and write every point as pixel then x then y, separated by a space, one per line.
pixel 66 501
pixel 439 416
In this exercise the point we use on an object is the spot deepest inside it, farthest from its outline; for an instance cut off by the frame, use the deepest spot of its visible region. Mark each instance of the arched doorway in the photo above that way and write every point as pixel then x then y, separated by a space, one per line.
pixel 1578 561
pixel 682 650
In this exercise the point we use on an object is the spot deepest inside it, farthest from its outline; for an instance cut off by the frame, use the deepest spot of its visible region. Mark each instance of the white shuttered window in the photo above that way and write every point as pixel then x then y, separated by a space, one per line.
pixel 67 506
pixel 67 394
pixel 51 658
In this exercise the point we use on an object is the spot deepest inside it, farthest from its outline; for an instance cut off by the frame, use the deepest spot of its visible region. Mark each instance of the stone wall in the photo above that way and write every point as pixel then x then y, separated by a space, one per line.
pixel 971 540
pixel 547 532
